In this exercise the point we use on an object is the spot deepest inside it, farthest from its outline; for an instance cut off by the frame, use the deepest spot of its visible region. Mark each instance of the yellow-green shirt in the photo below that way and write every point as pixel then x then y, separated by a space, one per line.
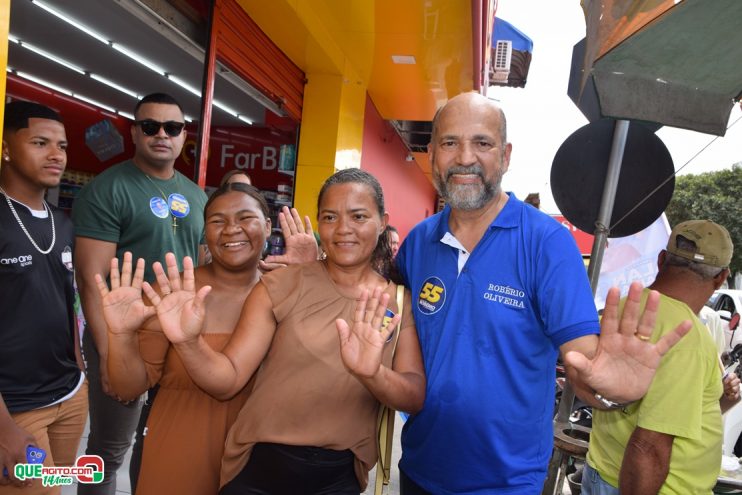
pixel 683 401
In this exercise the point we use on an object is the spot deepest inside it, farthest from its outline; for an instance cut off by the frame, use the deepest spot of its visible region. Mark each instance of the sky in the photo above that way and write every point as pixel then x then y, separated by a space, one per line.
pixel 541 115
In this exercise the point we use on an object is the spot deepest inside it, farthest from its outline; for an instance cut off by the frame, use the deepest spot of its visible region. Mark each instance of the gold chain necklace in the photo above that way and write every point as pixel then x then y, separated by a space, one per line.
pixel 164 197
pixel 23 227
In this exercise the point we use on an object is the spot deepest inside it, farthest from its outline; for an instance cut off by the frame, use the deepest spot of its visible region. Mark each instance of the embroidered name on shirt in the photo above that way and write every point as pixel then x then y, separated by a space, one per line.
pixel 504 294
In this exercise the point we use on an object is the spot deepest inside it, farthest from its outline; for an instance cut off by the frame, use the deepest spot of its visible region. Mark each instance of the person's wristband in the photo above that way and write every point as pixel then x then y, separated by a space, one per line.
pixel 609 404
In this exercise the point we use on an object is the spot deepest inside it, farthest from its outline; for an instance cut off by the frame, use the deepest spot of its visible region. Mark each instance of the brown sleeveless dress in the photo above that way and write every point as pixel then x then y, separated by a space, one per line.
pixel 186 427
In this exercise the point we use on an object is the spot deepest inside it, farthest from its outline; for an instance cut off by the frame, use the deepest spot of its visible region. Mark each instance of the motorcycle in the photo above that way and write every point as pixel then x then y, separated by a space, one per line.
pixel 732 445
pixel 582 415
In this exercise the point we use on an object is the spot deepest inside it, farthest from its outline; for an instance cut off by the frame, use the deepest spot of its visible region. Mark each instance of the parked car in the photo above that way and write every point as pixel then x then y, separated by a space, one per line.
pixel 728 304
pixel 732 419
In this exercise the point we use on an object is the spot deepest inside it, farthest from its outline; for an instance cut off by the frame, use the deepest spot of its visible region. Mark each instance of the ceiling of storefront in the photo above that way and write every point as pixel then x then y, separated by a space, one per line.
pixel 353 38
pixel 365 35
pixel 33 25
pixel 358 38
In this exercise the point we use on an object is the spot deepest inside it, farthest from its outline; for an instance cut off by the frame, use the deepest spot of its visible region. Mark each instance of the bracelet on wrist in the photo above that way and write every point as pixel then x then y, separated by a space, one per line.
pixel 609 404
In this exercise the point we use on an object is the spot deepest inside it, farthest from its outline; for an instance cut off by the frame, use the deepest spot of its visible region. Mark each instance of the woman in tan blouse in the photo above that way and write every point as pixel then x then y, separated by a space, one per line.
pixel 323 335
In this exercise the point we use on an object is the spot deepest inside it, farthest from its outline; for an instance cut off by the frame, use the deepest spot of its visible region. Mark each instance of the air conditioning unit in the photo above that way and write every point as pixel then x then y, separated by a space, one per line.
pixel 501 61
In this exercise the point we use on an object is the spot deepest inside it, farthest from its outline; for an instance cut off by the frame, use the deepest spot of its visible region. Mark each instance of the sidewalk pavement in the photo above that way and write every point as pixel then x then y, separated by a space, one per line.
pixel 123 487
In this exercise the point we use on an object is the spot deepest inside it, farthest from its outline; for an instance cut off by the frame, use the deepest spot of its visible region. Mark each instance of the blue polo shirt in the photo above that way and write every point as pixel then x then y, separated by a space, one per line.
pixel 490 337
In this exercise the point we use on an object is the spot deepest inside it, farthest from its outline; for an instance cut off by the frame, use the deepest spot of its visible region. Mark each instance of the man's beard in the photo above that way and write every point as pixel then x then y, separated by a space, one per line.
pixel 466 196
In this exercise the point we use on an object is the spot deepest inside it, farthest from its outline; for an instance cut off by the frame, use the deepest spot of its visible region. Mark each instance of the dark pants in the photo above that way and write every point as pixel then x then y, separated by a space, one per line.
pixel 135 463
pixel 409 487
pixel 112 425
pixel 275 469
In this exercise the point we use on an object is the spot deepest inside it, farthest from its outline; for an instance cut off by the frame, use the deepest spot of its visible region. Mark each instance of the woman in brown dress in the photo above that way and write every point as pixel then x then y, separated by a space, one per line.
pixel 319 335
pixel 186 429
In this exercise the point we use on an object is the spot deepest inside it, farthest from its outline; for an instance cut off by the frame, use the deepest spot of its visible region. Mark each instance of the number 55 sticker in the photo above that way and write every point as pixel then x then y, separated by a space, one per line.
pixel 432 296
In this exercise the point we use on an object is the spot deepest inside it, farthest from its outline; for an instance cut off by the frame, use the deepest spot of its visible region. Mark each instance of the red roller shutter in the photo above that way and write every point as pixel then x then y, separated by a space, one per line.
pixel 246 49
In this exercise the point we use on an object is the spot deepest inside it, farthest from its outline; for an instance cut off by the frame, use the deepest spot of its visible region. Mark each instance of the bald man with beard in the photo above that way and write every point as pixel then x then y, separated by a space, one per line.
pixel 499 292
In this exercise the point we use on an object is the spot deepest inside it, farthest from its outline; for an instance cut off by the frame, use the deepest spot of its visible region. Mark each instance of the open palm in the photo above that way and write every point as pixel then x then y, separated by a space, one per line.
pixel 180 309
pixel 626 360
pixel 123 307
pixel 362 343
pixel 301 246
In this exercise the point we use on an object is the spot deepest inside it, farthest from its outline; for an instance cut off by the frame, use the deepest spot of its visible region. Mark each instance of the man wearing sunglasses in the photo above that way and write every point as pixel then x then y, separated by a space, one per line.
pixel 145 206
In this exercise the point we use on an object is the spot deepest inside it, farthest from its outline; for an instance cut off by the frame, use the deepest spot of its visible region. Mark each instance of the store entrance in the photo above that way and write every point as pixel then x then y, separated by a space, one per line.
pixel 93 60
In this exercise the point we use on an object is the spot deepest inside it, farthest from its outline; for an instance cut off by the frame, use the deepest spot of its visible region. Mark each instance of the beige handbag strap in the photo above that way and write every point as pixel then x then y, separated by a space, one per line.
pixel 386 419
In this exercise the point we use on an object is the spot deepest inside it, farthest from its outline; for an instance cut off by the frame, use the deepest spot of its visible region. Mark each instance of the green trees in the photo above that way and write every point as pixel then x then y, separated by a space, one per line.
pixel 715 196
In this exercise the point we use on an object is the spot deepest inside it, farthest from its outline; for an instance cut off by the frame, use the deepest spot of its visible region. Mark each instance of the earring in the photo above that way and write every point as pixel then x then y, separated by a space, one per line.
pixel 6 158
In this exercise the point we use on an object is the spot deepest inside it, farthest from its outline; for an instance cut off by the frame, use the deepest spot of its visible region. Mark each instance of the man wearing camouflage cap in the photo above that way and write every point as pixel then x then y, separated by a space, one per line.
pixel 670 440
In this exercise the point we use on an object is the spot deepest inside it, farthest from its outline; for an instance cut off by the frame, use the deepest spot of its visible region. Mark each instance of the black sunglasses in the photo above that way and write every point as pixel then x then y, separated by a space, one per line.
pixel 151 127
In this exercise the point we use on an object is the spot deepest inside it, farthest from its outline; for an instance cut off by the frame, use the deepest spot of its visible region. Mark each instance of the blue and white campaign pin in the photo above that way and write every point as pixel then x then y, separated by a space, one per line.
pixel 178 205
pixel 159 207
pixel 432 296
pixel 388 315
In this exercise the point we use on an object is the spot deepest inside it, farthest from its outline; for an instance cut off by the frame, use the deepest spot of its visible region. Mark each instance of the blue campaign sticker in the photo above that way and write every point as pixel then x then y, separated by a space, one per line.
pixel 432 296
pixel 159 207
pixel 388 315
pixel 178 205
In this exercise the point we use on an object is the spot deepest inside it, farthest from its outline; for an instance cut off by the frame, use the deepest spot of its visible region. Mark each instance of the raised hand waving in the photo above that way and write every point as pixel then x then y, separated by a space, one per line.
pixel 180 309
pixel 626 360
pixel 301 246
pixel 362 343
pixel 123 307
